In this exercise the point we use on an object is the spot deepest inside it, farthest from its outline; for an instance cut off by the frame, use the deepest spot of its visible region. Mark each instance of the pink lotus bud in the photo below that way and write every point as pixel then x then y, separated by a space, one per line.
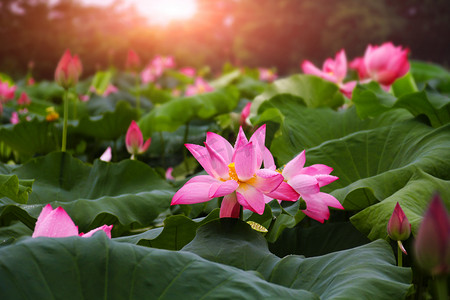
pixel 24 99
pixel 399 228
pixel 107 229
pixel 30 81
pixel 68 70
pixel 14 118
pixel 245 113
pixel 133 61
pixel 135 141
pixel 386 63
pixel 432 245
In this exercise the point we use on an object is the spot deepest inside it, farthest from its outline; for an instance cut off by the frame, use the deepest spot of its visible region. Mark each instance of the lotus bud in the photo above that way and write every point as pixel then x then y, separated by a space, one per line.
pixel 68 70
pixel 399 228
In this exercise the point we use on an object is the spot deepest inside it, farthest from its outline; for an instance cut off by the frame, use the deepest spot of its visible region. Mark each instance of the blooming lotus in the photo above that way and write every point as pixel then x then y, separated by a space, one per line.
pixel 57 223
pixel 399 228
pixel 24 99
pixel 383 64
pixel 432 245
pixel 333 70
pixel 267 75
pixel 233 172
pixel 199 87
pixel 68 70
pixel 305 182
pixel 135 141
pixel 133 62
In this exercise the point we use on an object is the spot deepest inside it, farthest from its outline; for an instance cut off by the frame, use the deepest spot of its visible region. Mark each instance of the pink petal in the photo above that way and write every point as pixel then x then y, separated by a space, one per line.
pixel 295 166
pixel 250 198
pixel 169 174
pixel 195 192
pixel 245 162
pixel 317 169
pixel 105 228
pixel 325 179
pixel 284 192
pixel 269 163
pixel 266 180
pixel 241 140
pixel 220 146
pixel 133 139
pixel 107 155
pixel 202 178
pixel 56 223
pixel 202 156
pixel 347 88
pixel 217 163
pixel 316 210
pixel 219 189
pixel 230 207
pixel 145 146
pixel 340 67
pixel 304 184
pixel 258 139
pixel 309 68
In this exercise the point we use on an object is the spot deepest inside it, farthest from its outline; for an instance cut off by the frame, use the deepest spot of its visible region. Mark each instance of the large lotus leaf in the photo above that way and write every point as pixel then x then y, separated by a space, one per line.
pixel 413 198
pixel 109 126
pixel 171 115
pixel 424 72
pixel 370 100
pixel 373 164
pixel 8 234
pixel 318 240
pixel 313 91
pixel 302 127
pixel 29 138
pixel 15 189
pixel 178 231
pixel 129 191
pixel 98 268
pixel 366 272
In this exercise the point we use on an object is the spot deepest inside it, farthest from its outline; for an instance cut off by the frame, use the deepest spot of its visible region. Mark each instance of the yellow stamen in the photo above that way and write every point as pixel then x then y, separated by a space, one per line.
pixel 257 227
pixel 52 115
pixel 232 172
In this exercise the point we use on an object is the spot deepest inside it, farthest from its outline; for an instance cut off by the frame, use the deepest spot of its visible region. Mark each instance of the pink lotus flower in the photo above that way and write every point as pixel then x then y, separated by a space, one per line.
pixel 68 70
pixel 151 73
pixel 84 98
pixel 30 81
pixel 189 72
pixel 110 89
pixel 432 245
pixel 24 99
pixel 233 172
pixel 57 223
pixel 107 155
pixel 383 64
pixel 165 62
pixel 244 114
pixel 332 70
pixel 399 228
pixel 14 118
pixel 6 93
pixel 135 141
pixel 306 183
pixel 133 62
pixel 267 75
pixel 199 87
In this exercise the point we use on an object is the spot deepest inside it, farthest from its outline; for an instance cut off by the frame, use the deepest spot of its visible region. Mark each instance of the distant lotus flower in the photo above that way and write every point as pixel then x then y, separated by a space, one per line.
pixel 30 81
pixel 432 245
pixel 166 62
pixel 68 70
pixel 84 98
pixel 305 182
pixel 189 72
pixel 332 70
pixel 111 89
pixel 24 99
pixel 199 87
pixel 57 223
pixel 107 155
pixel 233 172
pixel 151 73
pixel 267 75
pixel 133 61
pixel 383 64
pixel 244 114
pixel 14 118
pixel 135 141
pixel 399 228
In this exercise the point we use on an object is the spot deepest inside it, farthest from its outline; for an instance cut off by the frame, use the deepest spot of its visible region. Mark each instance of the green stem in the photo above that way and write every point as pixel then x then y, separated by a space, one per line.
pixel 66 117
pixel 163 149
pixel 441 287
pixel 138 96
pixel 186 134
pixel 399 256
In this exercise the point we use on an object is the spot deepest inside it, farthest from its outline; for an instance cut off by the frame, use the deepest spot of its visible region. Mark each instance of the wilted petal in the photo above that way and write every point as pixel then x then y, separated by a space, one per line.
pixel 107 229
pixel 245 162
pixel 304 184
pixel 230 207
pixel 295 166
pixel 219 189
pixel 220 146
pixel 266 180
pixel 250 198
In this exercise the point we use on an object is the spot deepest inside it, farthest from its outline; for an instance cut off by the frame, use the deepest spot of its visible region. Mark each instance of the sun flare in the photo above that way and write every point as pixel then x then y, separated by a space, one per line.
pixel 167 10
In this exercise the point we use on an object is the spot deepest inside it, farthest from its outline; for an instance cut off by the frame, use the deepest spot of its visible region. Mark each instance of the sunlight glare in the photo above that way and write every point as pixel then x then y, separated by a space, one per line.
pixel 167 10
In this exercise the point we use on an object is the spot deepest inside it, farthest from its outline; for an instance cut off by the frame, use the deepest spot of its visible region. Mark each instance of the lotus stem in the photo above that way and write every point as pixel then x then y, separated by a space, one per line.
pixel 399 256
pixel 163 149
pixel 186 134
pixel 138 96
pixel 66 116
pixel 441 287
